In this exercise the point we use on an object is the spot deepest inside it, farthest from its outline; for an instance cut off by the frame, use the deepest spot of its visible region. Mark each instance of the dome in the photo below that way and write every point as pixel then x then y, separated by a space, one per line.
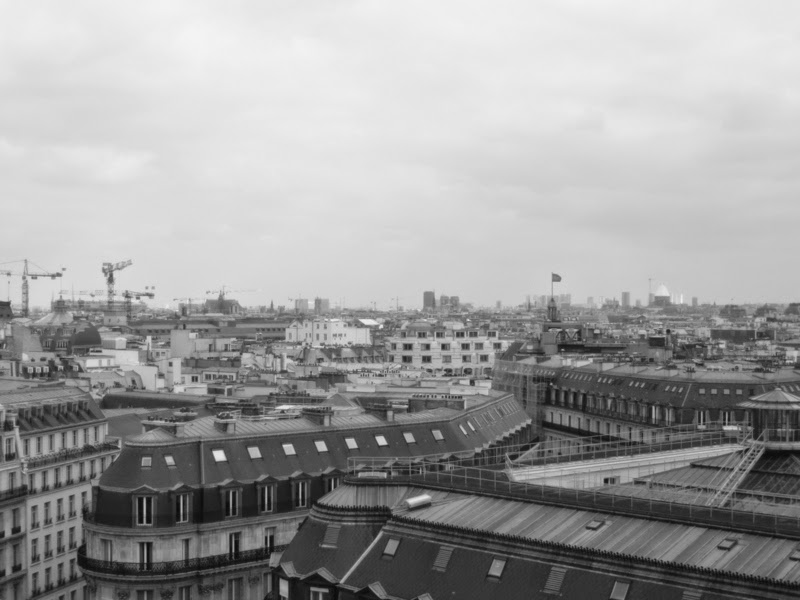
pixel 662 291
pixel 86 336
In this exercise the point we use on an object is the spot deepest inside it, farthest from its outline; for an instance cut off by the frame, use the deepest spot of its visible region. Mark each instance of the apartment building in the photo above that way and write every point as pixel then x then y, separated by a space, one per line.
pixel 53 447
pixel 445 350
pixel 202 509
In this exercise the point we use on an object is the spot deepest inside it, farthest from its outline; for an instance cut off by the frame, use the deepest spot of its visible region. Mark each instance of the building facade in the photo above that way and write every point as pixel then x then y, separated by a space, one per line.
pixel 54 446
pixel 445 351
pixel 328 332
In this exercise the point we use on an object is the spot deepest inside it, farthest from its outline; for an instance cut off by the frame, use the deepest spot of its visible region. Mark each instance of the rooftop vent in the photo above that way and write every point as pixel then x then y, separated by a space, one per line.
pixel 418 502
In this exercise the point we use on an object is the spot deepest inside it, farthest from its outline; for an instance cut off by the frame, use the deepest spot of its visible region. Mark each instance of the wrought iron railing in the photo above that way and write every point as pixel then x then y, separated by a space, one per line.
pixel 70 454
pixel 201 563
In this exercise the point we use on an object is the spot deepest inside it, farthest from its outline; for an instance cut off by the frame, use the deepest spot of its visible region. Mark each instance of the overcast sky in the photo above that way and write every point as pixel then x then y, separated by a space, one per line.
pixel 366 150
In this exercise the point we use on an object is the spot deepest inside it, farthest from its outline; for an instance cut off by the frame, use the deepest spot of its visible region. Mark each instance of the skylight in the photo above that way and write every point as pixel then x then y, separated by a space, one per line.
pixel 254 451
pixel 321 446
pixel 219 455
pixel 471 426
pixel 463 430
pixel 391 547
pixel 437 435
pixel 620 591
pixel 352 444
pixel 496 570
pixel 288 450
pixel 170 460
pixel 147 461
pixel 381 440
pixel 409 437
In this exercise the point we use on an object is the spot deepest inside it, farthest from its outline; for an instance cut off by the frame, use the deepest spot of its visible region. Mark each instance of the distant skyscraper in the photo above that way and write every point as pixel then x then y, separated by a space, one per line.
pixel 498 305
pixel 626 299
pixel 455 302
pixel 444 301
pixel 694 301
pixel 638 304
pixel 322 306
pixel 590 301
pixel 428 300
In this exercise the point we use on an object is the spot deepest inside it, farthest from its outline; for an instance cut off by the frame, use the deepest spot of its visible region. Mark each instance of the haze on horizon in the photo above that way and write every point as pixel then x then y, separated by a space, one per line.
pixel 369 150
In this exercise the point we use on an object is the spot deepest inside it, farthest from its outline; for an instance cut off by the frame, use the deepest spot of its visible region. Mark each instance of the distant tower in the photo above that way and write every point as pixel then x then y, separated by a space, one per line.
pixel 626 299
pixel 428 300
pixel 694 301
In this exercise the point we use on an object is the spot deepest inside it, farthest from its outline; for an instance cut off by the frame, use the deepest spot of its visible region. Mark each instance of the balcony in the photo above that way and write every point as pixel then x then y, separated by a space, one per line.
pixel 48 554
pixel 159 569
pixel 61 549
pixel 11 456
pixel 35 525
pixel 16 568
pixel 17 492
pixel 48 521
pixel 71 454
pixel 73 514
pixel 35 558
pixel 73 545
pixel 45 487
pixel 16 530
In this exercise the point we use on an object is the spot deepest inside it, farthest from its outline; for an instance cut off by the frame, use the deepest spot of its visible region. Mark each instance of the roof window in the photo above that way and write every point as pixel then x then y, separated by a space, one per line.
pixel 620 591
pixel 254 451
pixel 595 525
pixel 351 442
pixel 554 580
pixel 288 450
pixel 409 437
pixel 496 569
pixel 442 558
pixel 170 460
pixel 219 455
pixel 471 426
pixel 437 435
pixel 391 548
pixel 381 440
pixel 321 446
pixel 464 431
pixel 147 462
pixel 331 538
pixel 727 543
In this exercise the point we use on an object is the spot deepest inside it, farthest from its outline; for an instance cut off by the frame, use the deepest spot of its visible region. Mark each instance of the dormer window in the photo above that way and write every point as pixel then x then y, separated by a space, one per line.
pixel 144 510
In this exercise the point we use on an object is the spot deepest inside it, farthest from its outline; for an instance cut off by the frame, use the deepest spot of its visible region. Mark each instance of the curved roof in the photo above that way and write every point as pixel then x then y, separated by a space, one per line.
pixel 662 291
pixel 86 336
pixel 776 399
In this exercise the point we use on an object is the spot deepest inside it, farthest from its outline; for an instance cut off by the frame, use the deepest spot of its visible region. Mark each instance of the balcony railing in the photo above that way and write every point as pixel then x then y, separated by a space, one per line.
pixel 16 492
pixel 202 563
pixel 16 530
pixel 70 454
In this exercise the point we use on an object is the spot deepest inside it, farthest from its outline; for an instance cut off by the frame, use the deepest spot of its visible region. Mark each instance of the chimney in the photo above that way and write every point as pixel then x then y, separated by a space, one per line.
pixel 321 415
pixel 225 422
pixel 382 411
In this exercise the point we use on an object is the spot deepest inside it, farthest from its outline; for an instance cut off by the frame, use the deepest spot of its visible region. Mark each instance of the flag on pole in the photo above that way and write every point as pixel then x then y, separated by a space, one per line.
pixel 556 277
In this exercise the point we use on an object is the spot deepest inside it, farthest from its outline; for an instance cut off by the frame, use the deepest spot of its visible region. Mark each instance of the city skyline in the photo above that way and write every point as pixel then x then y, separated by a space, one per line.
pixel 371 151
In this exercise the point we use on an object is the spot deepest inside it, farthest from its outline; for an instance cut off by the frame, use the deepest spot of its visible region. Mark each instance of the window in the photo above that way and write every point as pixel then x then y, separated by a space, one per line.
pixel 72 543
pixel 34 517
pixel 321 446
pixel 269 539
pixel 231 498
pixel 471 426
pixel 496 569
pixel 466 358
pixel 185 592
pixel 407 359
pixel 234 544
pixel 320 594
pixel 447 359
pixel 266 498
pixel 170 460
pixel 72 505
pixel 409 437
pixel 147 462
pixel 484 358
pixel 219 455
pixel 381 440
pixel 464 431
pixel 300 493
pixel 478 345
pixel 408 347
pixel 145 556
pixel 331 483
pixel 182 508
pixel 437 435
pixel 465 346
pixel 288 450
pixel 351 443
pixel 47 518
pixel 391 548
pixel 620 591
pixel 60 509
pixel 254 452
pixel 445 347
pixel 426 359
pixel 426 347
pixel 144 510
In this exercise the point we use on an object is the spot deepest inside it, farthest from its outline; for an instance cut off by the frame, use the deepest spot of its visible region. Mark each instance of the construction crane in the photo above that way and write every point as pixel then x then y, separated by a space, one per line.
pixel 27 273
pixel 128 295
pixel 108 270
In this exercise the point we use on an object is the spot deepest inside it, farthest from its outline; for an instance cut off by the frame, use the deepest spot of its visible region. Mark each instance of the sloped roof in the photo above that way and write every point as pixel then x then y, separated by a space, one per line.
pixel 776 399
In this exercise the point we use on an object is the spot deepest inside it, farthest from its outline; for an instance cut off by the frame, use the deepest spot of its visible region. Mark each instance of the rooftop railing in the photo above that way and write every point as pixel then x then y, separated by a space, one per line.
pixel 495 482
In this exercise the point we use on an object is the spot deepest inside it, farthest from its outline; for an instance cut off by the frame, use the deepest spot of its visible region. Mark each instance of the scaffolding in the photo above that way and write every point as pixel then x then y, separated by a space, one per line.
pixel 529 383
